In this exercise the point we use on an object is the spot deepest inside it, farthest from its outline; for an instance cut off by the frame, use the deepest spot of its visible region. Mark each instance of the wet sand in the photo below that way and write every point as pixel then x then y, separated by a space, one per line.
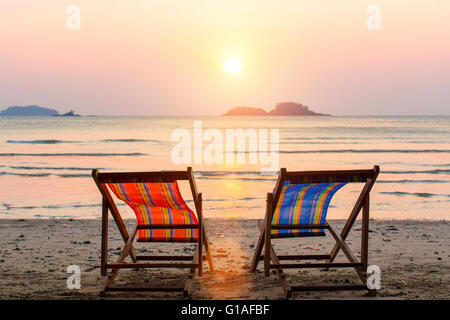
pixel 414 257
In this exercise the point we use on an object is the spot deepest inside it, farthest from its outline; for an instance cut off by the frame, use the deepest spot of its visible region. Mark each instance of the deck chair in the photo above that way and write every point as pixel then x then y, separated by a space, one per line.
pixel 162 216
pixel 298 208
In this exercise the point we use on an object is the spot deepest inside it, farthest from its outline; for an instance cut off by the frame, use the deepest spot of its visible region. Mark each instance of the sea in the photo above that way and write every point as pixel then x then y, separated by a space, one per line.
pixel 46 162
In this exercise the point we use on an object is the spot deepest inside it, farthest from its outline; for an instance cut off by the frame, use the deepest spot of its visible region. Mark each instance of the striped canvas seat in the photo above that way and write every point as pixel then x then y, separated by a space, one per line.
pixel 303 204
pixel 158 203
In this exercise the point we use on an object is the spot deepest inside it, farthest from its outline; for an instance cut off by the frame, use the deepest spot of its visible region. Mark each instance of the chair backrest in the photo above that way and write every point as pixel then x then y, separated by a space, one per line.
pixel 152 194
pixel 303 197
pixel 303 177
pixel 136 180
pixel 303 204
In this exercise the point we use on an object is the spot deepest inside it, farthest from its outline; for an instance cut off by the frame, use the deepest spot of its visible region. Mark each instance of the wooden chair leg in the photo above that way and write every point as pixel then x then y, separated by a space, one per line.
pixel 365 234
pixel 199 207
pixel 371 293
pixel 188 283
pixel 267 236
pixel 264 240
pixel 258 251
pixel 283 280
pixel 125 251
pixel 267 245
pixel 282 277
pixel 207 249
pixel 104 249
pixel 200 250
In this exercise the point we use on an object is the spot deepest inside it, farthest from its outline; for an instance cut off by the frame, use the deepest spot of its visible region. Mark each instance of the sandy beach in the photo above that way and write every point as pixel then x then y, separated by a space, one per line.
pixel 414 257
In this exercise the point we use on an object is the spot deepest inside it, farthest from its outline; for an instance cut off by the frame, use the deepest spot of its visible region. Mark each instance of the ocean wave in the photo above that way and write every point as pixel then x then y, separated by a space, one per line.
pixel 435 171
pixel 45 174
pixel 367 151
pixel 321 138
pixel 347 151
pixel 226 173
pixel 214 175
pixel 394 131
pixel 338 140
pixel 226 200
pixel 409 164
pixel 53 168
pixel 129 140
pixel 417 194
pixel 56 141
pixel 325 142
pixel 56 206
pixel 236 178
pixel 236 207
pixel 131 154
pixel 413 181
pixel 51 141
pixel 25 174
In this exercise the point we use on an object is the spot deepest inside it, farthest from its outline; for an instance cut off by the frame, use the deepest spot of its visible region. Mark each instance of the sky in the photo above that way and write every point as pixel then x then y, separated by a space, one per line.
pixel 166 57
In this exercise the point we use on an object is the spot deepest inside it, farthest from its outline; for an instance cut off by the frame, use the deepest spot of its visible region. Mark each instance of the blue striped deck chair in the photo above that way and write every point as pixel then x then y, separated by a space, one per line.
pixel 298 208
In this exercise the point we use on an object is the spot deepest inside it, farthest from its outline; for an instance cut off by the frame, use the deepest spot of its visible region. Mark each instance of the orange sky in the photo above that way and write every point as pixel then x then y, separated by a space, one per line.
pixel 166 57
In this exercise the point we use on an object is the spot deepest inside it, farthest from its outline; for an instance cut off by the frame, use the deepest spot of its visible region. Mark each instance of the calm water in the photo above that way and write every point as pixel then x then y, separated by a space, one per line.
pixel 45 163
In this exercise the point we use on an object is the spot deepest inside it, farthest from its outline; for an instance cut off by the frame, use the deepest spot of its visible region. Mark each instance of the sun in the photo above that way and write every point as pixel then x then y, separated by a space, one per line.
pixel 232 66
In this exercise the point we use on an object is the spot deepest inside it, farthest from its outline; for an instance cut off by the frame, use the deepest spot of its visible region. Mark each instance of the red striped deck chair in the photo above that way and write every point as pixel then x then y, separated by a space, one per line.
pixel 162 216
pixel 298 208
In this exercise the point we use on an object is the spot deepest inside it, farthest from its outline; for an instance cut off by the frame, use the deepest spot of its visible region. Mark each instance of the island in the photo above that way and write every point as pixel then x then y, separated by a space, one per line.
pixel 71 113
pixel 281 109
pixel 34 111
pixel 246 111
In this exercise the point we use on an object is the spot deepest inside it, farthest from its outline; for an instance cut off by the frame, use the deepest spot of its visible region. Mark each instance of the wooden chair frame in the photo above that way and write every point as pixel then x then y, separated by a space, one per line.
pixel 272 261
pixel 108 205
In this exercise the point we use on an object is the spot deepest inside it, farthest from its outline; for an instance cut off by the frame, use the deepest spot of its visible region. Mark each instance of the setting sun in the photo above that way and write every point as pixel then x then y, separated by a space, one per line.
pixel 232 66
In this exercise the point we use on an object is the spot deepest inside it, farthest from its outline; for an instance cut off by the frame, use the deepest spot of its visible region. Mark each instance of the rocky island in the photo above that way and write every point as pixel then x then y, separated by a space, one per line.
pixel 34 111
pixel 71 113
pixel 281 109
